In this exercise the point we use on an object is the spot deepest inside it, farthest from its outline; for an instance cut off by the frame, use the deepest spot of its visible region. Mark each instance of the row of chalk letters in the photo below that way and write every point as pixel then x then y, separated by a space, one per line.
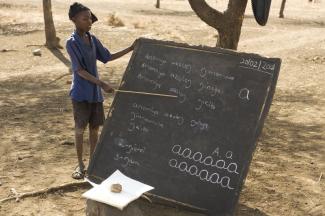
pixel 143 110
pixel 204 86
pixel 208 161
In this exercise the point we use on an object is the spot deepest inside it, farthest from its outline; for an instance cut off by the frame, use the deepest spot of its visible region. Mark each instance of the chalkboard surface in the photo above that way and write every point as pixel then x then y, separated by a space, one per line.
pixel 196 148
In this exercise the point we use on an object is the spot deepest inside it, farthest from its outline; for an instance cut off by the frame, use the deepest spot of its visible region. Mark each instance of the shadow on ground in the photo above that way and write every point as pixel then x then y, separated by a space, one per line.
pixel 59 55
pixel 288 145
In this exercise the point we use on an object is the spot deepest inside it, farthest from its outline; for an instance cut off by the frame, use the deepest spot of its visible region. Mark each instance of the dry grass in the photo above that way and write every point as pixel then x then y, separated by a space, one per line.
pixel 115 21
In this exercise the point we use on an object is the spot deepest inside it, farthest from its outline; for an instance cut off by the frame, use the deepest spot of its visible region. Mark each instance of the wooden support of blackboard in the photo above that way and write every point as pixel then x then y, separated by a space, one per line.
pixel 139 207
pixel 145 93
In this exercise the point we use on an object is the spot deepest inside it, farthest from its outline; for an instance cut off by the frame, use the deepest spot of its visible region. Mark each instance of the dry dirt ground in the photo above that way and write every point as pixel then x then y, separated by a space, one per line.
pixel 36 131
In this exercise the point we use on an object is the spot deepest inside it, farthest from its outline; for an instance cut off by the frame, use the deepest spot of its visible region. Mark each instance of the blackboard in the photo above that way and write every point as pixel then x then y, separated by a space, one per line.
pixel 196 148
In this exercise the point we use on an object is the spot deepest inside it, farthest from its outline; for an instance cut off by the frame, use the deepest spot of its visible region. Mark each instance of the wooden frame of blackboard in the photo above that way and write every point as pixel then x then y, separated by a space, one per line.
pixel 262 117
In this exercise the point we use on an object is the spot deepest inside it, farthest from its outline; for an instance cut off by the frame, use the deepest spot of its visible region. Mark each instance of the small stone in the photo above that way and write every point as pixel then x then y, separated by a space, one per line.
pixel 20 158
pixel 116 188
pixel 37 52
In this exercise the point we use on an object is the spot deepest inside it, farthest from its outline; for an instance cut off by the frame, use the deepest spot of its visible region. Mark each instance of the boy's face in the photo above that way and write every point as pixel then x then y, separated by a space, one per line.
pixel 83 21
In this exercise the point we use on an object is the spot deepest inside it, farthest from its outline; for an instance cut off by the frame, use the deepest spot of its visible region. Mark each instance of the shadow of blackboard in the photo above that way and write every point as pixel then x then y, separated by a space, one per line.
pixel 194 149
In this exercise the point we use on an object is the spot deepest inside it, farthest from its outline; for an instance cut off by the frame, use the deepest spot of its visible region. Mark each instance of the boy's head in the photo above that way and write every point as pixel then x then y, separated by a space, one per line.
pixel 81 16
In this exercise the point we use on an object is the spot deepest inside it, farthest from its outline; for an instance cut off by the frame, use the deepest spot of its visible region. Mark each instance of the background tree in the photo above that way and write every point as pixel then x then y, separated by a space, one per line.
pixel 227 23
pixel 50 34
pixel 158 4
pixel 281 15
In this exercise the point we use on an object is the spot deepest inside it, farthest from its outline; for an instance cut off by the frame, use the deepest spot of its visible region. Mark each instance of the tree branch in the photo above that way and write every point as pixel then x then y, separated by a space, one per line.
pixel 207 14
pixel 64 187
pixel 236 9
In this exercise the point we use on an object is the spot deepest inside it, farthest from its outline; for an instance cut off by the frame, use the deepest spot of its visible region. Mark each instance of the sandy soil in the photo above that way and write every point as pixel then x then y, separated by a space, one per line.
pixel 36 130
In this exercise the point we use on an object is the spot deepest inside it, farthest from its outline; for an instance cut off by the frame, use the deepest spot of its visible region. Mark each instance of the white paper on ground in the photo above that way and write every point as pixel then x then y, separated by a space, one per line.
pixel 131 190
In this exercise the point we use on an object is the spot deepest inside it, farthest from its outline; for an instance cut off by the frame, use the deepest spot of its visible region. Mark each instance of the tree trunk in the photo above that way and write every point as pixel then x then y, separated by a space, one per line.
pixel 229 38
pixel 158 4
pixel 228 24
pixel 50 34
pixel 281 15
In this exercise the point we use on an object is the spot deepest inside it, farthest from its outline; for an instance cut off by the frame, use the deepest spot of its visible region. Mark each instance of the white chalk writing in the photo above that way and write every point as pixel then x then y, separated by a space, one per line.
pixel 151 110
pixel 258 65
pixel 244 94
pixel 180 94
pixel 199 125
pixel 181 79
pixel 156 59
pixel 204 72
pixel 209 104
pixel 148 80
pixel 152 69
pixel 229 154
pixel 186 67
pixel 135 116
pixel 127 161
pixel 208 160
pixel 203 174
pixel 134 148
pixel 213 90
pixel 136 127
pixel 131 148
pixel 178 118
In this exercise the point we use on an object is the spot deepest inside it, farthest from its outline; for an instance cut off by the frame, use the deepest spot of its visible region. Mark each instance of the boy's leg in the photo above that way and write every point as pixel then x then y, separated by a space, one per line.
pixel 96 120
pixel 93 137
pixel 81 112
pixel 79 132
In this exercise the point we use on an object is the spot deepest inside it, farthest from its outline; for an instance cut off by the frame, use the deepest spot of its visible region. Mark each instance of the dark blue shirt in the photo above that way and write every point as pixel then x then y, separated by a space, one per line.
pixel 84 56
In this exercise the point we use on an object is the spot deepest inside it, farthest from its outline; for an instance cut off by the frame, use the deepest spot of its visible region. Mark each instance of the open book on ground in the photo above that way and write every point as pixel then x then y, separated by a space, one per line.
pixel 131 190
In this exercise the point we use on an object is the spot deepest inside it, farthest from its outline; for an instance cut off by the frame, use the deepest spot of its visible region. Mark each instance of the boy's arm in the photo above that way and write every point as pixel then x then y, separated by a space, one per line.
pixel 103 55
pixel 77 68
pixel 87 76
pixel 121 53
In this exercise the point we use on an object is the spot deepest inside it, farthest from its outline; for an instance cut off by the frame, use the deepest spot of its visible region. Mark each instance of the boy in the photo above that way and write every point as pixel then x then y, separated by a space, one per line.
pixel 87 100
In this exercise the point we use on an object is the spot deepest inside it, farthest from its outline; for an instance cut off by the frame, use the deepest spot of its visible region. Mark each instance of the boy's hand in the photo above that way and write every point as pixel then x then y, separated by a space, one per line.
pixel 107 88
pixel 133 45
